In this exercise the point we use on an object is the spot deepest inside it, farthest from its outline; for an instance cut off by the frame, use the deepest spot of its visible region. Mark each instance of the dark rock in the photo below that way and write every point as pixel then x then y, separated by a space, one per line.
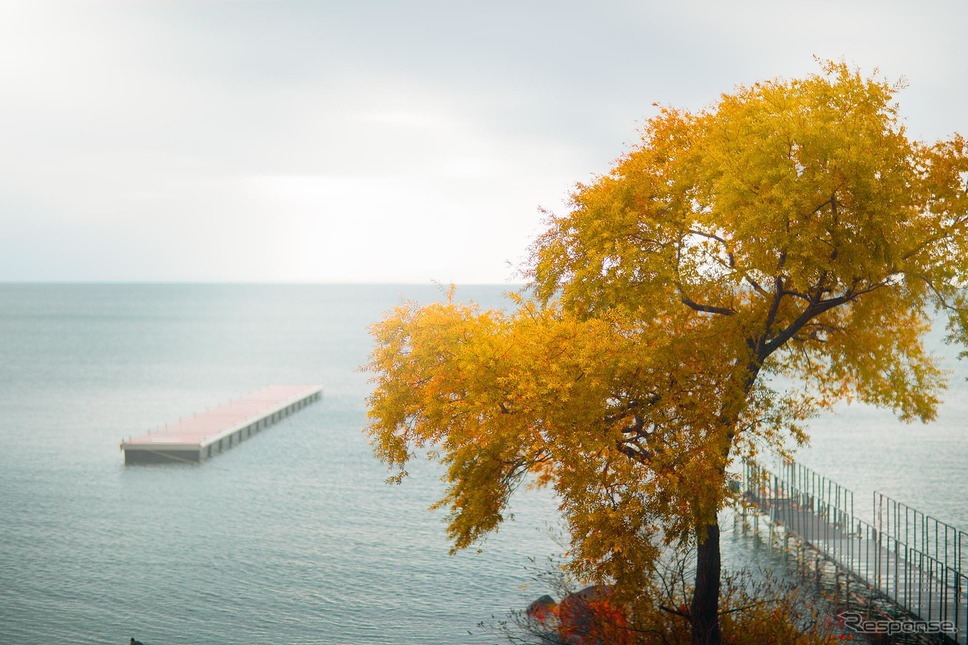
pixel 542 608
pixel 577 613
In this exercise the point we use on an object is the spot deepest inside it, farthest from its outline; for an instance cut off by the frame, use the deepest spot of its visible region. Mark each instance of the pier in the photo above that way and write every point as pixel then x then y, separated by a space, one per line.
pixel 210 433
pixel 911 560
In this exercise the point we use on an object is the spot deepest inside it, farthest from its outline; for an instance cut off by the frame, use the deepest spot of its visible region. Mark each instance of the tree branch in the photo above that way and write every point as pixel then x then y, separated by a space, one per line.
pixel 756 286
pixel 958 223
pixel 812 311
pixel 775 305
pixel 692 304
pixel 677 612
pixel 934 289
pixel 634 452
pixel 712 236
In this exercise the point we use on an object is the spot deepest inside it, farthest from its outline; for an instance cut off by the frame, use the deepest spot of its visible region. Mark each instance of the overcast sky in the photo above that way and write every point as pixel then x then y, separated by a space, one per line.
pixel 379 141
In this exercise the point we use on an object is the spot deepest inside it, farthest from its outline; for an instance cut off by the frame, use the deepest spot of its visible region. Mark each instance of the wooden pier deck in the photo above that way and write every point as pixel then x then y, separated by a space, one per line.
pixel 210 433
pixel 924 577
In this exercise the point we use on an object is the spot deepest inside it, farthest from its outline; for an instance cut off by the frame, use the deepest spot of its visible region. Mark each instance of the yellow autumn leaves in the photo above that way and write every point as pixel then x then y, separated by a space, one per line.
pixel 791 230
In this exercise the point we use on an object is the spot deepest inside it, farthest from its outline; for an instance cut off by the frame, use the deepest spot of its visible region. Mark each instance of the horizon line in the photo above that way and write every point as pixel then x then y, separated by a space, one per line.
pixel 429 283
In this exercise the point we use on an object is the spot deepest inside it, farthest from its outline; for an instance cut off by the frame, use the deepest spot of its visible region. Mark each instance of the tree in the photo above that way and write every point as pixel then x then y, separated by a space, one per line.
pixel 790 233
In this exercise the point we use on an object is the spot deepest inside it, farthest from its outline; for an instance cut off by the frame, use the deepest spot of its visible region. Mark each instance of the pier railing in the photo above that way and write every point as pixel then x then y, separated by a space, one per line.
pixel 942 541
pixel 906 556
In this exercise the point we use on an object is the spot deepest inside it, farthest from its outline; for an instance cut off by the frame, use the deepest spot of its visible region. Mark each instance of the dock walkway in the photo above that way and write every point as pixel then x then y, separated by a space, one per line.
pixel 911 559
pixel 210 433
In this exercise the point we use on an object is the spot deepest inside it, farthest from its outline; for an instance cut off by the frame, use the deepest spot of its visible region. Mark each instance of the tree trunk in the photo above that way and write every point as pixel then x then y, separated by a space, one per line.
pixel 704 612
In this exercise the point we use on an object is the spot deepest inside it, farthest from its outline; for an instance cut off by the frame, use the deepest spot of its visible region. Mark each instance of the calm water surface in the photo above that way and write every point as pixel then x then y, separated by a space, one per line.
pixel 293 537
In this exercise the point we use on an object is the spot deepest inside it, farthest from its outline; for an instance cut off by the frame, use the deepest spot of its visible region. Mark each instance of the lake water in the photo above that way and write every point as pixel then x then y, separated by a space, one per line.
pixel 292 537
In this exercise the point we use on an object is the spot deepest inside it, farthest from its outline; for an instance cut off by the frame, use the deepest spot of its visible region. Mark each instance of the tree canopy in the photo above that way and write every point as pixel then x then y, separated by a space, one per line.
pixel 789 233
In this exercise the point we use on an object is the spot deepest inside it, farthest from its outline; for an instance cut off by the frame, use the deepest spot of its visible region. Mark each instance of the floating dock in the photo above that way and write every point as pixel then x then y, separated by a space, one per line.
pixel 205 435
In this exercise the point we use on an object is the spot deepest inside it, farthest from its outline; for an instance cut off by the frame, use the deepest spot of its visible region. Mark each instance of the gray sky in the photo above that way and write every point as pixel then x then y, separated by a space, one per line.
pixel 378 141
